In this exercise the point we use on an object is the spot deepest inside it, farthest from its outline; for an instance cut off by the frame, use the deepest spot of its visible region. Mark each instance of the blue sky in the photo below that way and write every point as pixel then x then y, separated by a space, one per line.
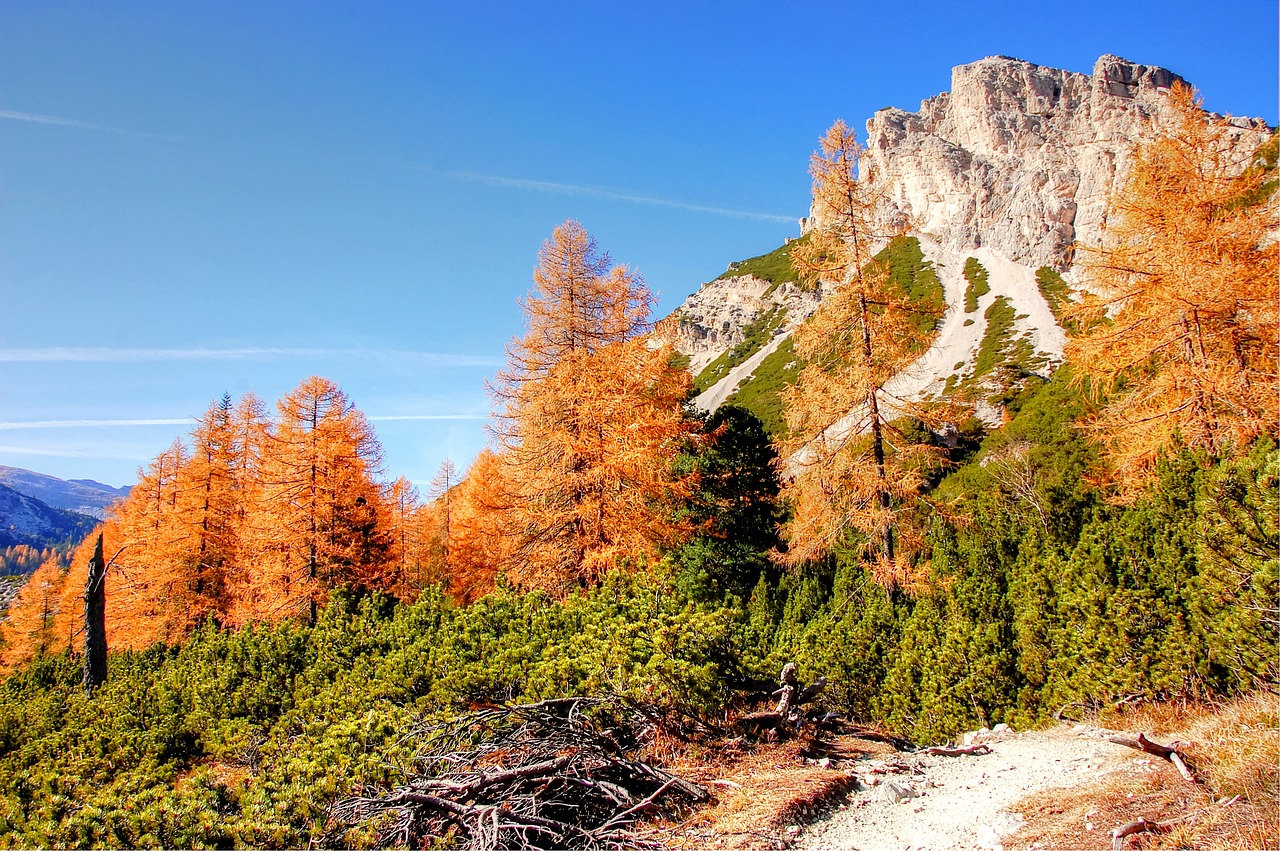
pixel 198 198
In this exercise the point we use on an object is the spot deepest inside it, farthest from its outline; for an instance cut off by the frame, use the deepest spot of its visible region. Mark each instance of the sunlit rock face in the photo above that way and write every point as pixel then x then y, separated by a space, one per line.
pixel 1017 157
pixel 1013 167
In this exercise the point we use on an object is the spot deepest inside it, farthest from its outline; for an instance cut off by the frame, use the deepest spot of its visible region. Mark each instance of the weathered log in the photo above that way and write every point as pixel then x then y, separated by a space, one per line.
pixel 1142 825
pixel 1142 743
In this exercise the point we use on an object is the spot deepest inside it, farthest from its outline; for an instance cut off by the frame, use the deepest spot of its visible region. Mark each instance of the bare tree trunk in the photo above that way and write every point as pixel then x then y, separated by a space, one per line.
pixel 95 621
pixel 877 433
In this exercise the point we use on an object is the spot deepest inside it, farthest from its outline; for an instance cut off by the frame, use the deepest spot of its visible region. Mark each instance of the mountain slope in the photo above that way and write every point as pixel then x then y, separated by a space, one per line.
pixel 1011 169
pixel 25 520
pixel 83 496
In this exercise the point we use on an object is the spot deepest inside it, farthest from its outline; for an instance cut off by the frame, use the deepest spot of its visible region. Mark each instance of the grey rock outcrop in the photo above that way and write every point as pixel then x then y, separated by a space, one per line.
pixel 715 318
pixel 1017 157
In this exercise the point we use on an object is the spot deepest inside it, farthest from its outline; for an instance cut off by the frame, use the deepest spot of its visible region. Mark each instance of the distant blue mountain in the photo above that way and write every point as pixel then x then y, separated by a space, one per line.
pixel 27 520
pixel 83 496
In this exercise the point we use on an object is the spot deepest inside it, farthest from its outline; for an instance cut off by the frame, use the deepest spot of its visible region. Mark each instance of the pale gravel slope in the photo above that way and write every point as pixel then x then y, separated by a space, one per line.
pixel 963 801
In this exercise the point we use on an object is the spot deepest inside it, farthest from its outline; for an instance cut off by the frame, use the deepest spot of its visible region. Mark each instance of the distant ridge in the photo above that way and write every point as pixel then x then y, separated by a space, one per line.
pixel 25 520
pixel 83 496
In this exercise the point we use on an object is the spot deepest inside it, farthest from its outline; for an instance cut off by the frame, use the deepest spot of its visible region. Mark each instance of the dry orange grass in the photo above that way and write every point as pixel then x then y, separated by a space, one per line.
pixel 761 790
pixel 1234 750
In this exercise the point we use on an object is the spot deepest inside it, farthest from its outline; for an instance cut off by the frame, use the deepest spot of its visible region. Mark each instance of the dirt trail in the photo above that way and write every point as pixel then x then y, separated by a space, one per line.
pixel 916 801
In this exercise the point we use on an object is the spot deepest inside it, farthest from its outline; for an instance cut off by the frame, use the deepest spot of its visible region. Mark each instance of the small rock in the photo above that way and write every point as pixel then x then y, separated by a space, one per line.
pixel 1000 728
pixel 793 830
pixel 1088 825
pixel 896 793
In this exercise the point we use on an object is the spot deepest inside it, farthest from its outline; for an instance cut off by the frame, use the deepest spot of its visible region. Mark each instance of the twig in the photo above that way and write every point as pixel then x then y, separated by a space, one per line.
pixel 1142 825
pixel 967 750
pixel 1168 752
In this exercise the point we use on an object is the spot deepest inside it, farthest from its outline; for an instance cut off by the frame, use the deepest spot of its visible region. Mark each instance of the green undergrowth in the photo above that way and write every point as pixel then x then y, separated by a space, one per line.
pixel 976 274
pixel 1056 291
pixel 242 738
pixel 762 393
pixel 774 267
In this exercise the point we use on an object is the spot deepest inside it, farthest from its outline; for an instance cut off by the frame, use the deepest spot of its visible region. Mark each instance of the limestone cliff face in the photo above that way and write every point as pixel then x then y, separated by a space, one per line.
pixel 716 317
pixel 1017 157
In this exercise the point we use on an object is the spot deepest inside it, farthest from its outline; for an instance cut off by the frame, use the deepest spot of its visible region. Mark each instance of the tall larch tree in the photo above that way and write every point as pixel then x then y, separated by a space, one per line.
pixel 589 421
pixel 320 502
pixel 250 427
pixel 846 468
pixel 209 509
pixel 152 592
pixel 480 542
pixel 409 566
pixel 1180 309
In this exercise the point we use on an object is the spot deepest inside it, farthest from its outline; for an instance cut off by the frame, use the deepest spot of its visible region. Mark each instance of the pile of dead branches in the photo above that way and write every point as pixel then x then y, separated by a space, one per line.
pixel 555 774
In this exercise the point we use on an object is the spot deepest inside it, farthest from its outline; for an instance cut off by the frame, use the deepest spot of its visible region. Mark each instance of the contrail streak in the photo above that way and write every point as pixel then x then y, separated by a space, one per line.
pixel 615 195
pixel 172 421
pixel 43 424
pixel 411 417
pixel 59 121
pixel 67 354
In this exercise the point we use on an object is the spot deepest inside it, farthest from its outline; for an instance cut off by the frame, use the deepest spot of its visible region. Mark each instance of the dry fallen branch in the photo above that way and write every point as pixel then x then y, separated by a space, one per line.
pixel 1168 752
pixel 967 750
pixel 1142 825
pixel 792 695
pixel 555 774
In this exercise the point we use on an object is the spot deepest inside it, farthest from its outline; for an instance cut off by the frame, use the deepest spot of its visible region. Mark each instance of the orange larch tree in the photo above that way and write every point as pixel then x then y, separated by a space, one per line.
pixel 1180 310
pixel 320 506
pixel 479 540
pixel 150 589
pixel 410 565
pixel 590 421
pixel 846 469
pixel 28 629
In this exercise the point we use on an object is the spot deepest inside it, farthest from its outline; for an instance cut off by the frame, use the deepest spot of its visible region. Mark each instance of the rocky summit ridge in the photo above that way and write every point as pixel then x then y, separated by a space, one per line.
pixel 1013 166
pixel 1018 157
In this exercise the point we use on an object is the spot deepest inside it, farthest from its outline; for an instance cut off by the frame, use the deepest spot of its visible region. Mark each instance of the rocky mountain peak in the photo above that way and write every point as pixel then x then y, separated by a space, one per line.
pixel 1010 169
pixel 1018 157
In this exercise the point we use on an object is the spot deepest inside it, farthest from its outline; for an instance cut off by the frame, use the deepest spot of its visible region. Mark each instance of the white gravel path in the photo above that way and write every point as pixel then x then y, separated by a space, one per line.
pixel 961 802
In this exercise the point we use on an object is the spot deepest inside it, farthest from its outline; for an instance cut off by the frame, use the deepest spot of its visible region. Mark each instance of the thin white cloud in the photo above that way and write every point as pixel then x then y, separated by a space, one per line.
pixel 59 121
pixel 39 425
pixel 45 424
pixel 616 195
pixel 71 354
pixel 51 453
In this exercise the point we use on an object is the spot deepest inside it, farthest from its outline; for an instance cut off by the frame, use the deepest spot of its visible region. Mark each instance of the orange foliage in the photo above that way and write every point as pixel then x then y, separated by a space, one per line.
pixel 29 629
pixel 254 520
pixel 590 423
pixel 478 541
pixel 1181 318
pixel 846 472
pixel 316 523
